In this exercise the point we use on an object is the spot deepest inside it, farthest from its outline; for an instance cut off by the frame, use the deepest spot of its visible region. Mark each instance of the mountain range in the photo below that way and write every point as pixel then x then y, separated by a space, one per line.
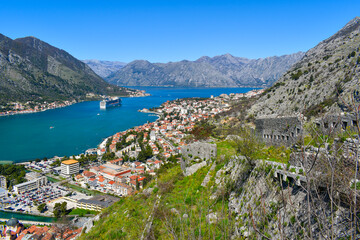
pixel 324 80
pixel 104 68
pixel 219 71
pixel 31 69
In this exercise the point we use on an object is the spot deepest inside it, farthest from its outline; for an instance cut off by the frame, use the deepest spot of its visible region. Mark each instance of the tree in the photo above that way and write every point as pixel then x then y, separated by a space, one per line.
pixel 60 209
pixel 202 131
pixel 42 207
pixel 248 145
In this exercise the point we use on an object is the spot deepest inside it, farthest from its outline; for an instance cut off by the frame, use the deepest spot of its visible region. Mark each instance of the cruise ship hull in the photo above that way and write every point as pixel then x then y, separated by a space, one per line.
pixel 104 104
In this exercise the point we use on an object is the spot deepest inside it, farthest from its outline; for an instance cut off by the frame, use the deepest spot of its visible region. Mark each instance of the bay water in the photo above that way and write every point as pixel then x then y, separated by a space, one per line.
pixel 72 130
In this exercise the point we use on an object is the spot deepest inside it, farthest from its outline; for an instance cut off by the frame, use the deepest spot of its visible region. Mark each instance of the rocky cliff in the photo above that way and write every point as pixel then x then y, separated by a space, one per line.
pixel 220 71
pixel 323 80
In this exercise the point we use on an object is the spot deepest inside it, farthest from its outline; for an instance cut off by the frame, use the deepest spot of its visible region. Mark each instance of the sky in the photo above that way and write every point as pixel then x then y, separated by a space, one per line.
pixel 172 30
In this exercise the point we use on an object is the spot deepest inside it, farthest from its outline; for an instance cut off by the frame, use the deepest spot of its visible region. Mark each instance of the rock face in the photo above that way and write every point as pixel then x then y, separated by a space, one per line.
pixel 260 204
pixel 31 69
pixel 323 80
pixel 104 68
pixel 220 71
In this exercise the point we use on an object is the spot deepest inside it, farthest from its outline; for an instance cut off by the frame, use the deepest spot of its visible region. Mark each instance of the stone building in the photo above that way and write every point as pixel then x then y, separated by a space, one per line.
pixel 342 121
pixel 199 151
pixel 279 130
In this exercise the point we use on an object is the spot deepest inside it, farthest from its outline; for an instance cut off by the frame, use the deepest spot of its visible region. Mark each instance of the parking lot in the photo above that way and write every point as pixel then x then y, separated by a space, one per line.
pixel 27 201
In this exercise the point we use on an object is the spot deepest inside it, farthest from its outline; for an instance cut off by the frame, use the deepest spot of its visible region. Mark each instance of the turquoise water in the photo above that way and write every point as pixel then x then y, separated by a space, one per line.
pixel 27 217
pixel 83 125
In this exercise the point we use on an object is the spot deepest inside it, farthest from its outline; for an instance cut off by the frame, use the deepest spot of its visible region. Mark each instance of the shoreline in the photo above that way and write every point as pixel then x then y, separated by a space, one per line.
pixel 4 114
pixel 35 111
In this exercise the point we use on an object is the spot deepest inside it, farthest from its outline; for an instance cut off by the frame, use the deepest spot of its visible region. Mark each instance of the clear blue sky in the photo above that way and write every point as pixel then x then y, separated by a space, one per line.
pixel 172 30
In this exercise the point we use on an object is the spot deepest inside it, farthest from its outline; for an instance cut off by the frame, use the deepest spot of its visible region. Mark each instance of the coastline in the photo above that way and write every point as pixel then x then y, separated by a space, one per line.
pixel 69 103
pixel 2 114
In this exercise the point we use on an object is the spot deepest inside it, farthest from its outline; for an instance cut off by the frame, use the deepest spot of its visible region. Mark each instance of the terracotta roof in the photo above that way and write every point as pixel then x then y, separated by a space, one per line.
pixel 88 174
pixel 69 162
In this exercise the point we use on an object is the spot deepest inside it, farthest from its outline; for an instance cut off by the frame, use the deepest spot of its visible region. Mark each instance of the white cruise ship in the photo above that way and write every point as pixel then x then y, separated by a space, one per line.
pixel 110 102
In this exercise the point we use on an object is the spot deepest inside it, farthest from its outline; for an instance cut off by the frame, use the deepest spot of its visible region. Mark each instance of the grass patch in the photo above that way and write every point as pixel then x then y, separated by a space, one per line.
pixel 53 180
pixel 225 148
pixel 82 212
pixel 82 190
pixel 275 154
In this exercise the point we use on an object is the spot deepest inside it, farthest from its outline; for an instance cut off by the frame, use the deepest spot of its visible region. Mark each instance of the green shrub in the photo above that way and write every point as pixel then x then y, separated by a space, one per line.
pixel 296 76
pixel 352 54
pixel 292 220
pixel 326 57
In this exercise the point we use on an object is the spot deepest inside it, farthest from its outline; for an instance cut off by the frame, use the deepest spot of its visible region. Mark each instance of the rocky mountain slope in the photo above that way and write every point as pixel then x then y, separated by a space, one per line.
pixel 220 71
pixel 31 69
pixel 323 80
pixel 104 68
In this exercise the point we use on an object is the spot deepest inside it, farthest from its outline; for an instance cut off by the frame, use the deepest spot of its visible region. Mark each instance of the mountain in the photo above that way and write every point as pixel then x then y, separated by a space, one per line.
pixel 323 80
pixel 219 71
pixel 104 68
pixel 31 69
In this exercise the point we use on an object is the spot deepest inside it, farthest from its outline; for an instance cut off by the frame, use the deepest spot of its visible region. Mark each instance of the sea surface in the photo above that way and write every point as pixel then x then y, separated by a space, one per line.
pixel 72 130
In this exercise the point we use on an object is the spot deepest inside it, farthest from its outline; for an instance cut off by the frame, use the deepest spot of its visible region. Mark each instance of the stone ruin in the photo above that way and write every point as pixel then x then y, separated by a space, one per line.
pixel 279 130
pixel 196 155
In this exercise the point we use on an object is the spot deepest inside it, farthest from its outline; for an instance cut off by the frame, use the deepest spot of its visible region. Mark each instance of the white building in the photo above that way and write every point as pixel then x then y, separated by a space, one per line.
pixel 3 182
pixel 69 168
pixel 3 192
pixel 30 185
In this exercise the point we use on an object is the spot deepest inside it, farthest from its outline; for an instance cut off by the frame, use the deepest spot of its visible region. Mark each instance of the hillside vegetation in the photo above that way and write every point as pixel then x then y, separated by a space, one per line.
pixel 32 70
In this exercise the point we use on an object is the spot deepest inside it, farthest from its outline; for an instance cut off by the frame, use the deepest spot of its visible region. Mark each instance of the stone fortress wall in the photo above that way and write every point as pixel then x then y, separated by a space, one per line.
pixel 287 130
pixel 279 130
pixel 197 150
pixel 343 121
pixel 196 156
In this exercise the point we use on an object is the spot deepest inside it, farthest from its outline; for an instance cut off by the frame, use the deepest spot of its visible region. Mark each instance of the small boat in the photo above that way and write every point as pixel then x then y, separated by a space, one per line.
pixel 51 127
pixel 98 114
